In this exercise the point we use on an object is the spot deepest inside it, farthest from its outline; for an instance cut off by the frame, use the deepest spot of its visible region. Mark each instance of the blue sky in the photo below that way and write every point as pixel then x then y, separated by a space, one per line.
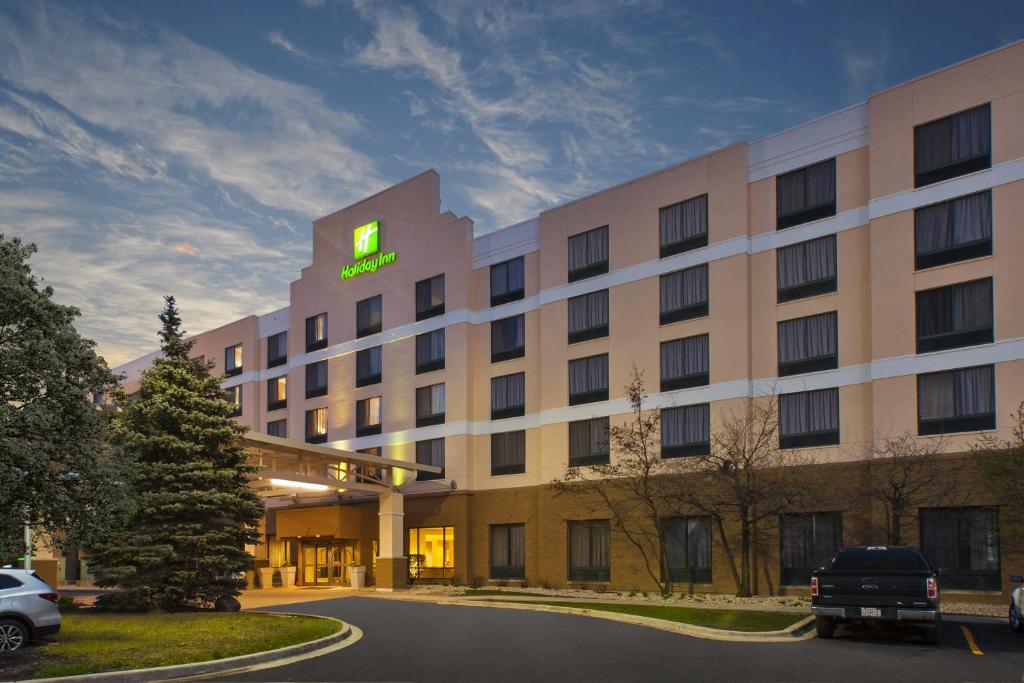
pixel 184 147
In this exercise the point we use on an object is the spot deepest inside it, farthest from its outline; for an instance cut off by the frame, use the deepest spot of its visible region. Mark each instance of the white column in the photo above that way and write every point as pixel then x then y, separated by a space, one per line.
pixel 392 525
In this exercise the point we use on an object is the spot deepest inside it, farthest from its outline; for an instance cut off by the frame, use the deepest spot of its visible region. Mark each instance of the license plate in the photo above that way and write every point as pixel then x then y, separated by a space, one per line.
pixel 870 612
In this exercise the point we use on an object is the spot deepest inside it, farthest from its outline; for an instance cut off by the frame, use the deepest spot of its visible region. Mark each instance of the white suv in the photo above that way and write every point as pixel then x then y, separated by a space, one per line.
pixel 28 608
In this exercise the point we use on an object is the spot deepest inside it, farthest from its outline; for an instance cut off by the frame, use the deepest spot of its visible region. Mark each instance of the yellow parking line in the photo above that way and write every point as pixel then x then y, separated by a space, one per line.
pixel 969 637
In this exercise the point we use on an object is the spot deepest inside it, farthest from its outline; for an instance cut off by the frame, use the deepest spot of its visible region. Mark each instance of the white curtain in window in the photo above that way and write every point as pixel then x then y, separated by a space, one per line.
pixel 684 288
pixel 588 437
pixel 973 391
pixel 972 304
pixel 684 357
pixel 588 311
pixel 809 411
pixel 430 452
pixel 588 374
pixel 368 362
pixel 507 277
pixel 806 262
pixel 430 400
pixel 430 346
pixel 508 391
pixel 508 334
pixel 589 545
pixel 810 337
pixel 685 425
pixel 588 248
pixel 508 449
pixel 958 221
pixel 684 221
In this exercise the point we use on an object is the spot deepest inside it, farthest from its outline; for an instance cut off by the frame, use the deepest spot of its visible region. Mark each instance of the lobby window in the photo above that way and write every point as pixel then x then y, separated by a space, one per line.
pixel 953 146
pixel 961 400
pixel 508 338
pixel 955 316
pixel 808 344
pixel 508 281
pixel 684 294
pixel 688 549
pixel 806 542
pixel 368 366
pixel 316 379
pixel 430 297
pixel 369 316
pixel 430 351
pixel 683 226
pixel 508 396
pixel 508 453
pixel 234 397
pixel 277 349
pixel 588 316
pixel 430 405
pixel 965 542
pixel 316 332
pixel 956 230
pixel 277 393
pixel 588 379
pixel 233 360
pixel 508 552
pixel 430 452
pixel 369 416
pixel 588 254
pixel 806 269
pixel 590 557
pixel 806 194
pixel 432 552
pixel 316 425
pixel 686 431
pixel 278 428
pixel 685 363
pixel 809 418
pixel 588 442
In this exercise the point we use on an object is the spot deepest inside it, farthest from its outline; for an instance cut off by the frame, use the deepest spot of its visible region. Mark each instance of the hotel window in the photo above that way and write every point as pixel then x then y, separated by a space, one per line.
pixel 277 349
pixel 508 338
pixel 956 230
pixel 806 194
pixel 590 557
pixel 508 453
pixel 683 226
pixel 588 379
pixel 316 379
pixel 368 416
pixel 233 360
pixel 809 418
pixel 588 442
pixel 588 316
pixel 369 316
pixel 316 425
pixel 806 542
pixel 430 405
pixel 684 363
pixel 965 543
pixel 684 294
pixel 808 344
pixel 430 452
pixel 953 146
pixel 961 400
pixel 432 552
pixel 430 351
pixel 588 254
pixel 806 269
pixel 368 366
pixel 686 431
pixel 235 399
pixel 954 316
pixel 507 281
pixel 277 393
pixel 508 396
pixel 430 297
pixel 688 549
pixel 278 428
pixel 508 552
pixel 316 332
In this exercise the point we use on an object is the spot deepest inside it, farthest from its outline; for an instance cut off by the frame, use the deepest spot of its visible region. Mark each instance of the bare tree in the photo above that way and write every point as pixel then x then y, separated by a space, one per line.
pixel 1001 465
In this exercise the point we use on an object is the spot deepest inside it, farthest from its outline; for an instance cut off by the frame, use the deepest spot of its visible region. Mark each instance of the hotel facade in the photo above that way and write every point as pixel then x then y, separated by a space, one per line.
pixel 865 267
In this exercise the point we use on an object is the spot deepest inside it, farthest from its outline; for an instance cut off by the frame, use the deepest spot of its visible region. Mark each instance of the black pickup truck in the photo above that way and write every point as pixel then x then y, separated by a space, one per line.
pixel 874 585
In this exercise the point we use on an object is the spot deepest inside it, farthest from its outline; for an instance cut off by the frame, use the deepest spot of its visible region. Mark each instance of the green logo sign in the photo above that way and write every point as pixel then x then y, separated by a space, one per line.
pixel 366 242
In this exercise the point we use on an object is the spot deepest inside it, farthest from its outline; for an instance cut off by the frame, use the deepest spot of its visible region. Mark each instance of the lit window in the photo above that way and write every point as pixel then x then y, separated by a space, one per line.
pixel 316 425
pixel 430 297
pixel 316 332
pixel 233 360
pixel 368 416
pixel 432 552
pixel 235 399
pixel 430 405
pixel 277 393
pixel 277 349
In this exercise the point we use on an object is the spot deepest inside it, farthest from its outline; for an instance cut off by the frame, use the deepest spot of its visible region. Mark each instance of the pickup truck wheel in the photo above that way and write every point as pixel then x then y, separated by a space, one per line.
pixel 824 626
pixel 1016 621
pixel 931 635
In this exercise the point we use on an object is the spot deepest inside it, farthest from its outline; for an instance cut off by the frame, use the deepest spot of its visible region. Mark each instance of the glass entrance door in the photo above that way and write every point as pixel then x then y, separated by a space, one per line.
pixel 325 563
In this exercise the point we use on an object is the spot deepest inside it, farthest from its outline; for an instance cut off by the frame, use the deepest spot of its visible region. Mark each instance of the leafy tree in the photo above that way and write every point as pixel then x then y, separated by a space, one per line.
pixel 1001 464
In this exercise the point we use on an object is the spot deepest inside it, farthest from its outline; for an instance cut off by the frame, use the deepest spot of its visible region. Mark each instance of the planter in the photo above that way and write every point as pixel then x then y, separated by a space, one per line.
pixel 288 577
pixel 266 577
pixel 357 576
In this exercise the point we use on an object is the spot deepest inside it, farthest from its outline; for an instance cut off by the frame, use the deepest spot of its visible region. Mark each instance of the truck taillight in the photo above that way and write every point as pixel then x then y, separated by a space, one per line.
pixel 814 586
pixel 933 588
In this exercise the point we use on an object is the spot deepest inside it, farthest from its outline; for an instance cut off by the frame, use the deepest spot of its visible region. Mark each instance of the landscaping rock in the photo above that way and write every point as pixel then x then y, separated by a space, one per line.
pixel 227 603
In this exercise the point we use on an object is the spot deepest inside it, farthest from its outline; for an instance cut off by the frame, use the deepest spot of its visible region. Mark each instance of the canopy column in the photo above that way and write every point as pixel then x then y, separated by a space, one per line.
pixel 392 564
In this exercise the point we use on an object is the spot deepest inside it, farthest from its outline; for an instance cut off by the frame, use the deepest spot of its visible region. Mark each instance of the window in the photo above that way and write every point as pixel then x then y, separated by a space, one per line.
pixel 430 405
pixel 7 581
pixel 588 254
pixel 277 393
pixel 685 431
pixel 588 316
pixel 233 360
pixel 956 401
pixel 683 226
pixel 588 442
pixel 954 316
pixel 508 396
pixel 588 379
pixel 508 453
pixel 964 542
pixel 430 351
pixel 952 146
pixel 278 428
pixel 235 399
pixel 369 314
pixel 430 452
pixel 806 268
pixel 809 418
pixel 956 230
pixel 806 542
pixel 316 425
pixel 808 344
pixel 684 363
pixel 508 338
pixel 684 294
pixel 590 557
pixel 432 552
pixel 430 297
pixel 368 366
pixel 277 349
pixel 688 549
pixel 316 379
pixel 368 416
pixel 316 332
pixel 507 281
pixel 508 551
pixel 806 194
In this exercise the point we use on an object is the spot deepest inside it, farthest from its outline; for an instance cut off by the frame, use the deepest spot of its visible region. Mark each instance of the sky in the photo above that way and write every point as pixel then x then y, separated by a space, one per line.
pixel 185 147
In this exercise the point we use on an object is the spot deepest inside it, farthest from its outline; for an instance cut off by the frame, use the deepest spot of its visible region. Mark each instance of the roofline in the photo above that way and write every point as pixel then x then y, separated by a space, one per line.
pixel 379 192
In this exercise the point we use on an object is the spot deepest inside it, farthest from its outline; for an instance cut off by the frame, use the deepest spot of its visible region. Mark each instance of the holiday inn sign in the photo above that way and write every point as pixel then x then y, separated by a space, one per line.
pixel 366 252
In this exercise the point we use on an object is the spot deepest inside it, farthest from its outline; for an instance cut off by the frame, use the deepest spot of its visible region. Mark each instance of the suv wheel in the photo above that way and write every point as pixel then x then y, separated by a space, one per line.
pixel 824 626
pixel 1016 621
pixel 13 634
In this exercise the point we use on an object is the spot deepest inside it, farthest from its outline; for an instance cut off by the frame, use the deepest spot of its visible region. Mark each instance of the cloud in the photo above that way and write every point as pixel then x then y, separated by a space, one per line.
pixel 277 38
pixel 186 249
